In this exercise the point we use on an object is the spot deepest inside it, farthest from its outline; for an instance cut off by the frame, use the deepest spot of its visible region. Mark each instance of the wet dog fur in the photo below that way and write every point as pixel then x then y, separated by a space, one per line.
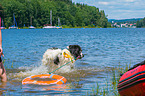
pixel 54 58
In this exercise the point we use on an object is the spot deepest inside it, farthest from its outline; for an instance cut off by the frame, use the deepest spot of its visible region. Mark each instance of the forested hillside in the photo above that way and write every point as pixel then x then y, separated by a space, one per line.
pixel 141 23
pixel 69 13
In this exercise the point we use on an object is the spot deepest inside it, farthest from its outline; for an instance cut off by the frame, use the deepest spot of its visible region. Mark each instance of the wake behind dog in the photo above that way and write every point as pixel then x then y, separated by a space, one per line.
pixel 53 59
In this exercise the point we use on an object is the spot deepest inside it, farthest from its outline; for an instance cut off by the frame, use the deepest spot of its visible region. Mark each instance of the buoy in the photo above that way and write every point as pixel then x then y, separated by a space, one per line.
pixel 55 79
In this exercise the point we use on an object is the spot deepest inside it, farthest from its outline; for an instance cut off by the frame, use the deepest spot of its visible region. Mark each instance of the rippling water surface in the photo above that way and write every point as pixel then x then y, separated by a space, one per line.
pixel 104 49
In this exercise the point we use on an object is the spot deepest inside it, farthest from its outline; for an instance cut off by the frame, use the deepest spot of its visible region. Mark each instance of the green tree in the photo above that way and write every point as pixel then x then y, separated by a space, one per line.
pixel 140 23
pixel 1 11
pixel 70 14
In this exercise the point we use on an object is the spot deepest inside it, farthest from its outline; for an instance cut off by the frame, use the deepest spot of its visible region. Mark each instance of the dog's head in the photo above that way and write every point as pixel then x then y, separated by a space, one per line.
pixel 76 51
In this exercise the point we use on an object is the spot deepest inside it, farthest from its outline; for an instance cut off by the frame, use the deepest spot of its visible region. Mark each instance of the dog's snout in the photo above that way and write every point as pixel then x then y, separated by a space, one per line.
pixel 81 56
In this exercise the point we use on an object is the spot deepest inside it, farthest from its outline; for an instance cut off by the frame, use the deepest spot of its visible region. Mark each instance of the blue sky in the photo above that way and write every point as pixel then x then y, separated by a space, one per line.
pixel 118 9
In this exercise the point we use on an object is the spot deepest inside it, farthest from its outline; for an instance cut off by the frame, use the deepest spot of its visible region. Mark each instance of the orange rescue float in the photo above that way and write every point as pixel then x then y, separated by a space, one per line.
pixel 132 83
pixel 56 79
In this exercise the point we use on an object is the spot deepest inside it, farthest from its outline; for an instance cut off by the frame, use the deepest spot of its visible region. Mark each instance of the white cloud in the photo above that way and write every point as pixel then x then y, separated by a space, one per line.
pixel 103 3
pixel 118 9
pixel 129 0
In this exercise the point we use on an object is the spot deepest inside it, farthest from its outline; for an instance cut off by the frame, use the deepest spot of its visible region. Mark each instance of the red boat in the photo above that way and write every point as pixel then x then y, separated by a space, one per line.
pixel 132 83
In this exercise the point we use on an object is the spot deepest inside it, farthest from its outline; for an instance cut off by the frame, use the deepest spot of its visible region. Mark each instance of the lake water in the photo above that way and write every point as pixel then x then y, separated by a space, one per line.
pixel 104 49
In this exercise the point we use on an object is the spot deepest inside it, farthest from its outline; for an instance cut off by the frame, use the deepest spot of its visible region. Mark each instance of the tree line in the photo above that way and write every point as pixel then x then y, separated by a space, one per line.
pixel 141 23
pixel 38 11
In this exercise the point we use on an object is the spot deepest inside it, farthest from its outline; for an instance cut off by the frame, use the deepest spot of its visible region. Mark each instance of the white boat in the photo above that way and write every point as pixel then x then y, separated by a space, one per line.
pixel 49 26
pixel 52 27
pixel 31 27
pixel 13 26
pixel 2 28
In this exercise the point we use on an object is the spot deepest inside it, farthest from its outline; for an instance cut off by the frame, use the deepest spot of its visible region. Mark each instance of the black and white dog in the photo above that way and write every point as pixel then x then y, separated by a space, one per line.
pixel 54 58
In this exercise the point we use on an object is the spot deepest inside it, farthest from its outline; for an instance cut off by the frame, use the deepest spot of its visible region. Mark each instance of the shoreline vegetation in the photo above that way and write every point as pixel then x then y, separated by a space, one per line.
pixel 110 88
pixel 65 13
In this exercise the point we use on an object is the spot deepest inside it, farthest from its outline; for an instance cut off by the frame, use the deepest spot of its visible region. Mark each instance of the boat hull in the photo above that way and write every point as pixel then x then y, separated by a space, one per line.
pixel 13 27
pixel 51 27
pixel 2 27
pixel 31 27
pixel 132 83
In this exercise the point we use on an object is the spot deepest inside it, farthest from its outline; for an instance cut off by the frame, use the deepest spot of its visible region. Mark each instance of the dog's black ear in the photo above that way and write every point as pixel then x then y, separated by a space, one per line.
pixel 56 60
pixel 53 48
pixel 75 50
